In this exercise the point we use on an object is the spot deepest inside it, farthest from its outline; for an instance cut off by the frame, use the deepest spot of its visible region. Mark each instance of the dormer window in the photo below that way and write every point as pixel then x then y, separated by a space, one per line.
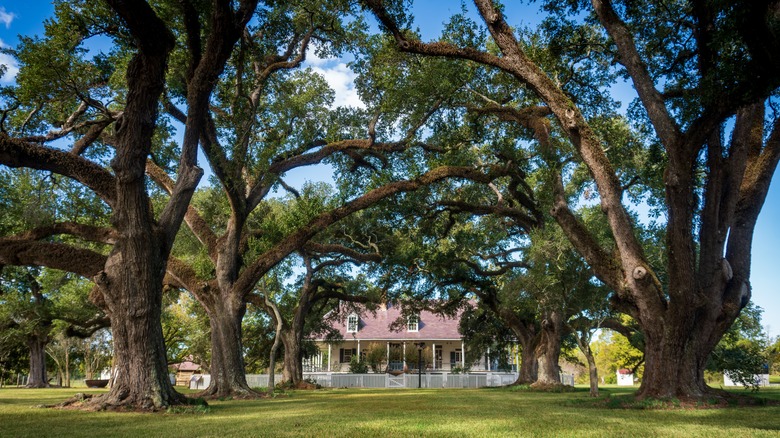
pixel 412 323
pixel 352 323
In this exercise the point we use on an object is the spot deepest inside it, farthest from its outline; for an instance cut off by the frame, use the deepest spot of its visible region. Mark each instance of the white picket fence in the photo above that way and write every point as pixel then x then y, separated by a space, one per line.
pixel 426 380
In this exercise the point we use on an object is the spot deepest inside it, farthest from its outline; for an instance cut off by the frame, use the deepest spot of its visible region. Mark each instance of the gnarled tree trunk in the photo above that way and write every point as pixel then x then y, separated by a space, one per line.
pixel 131 283
pixel 529 367
pixel 38 378
pixel 293 357
pixel 134 301
pixel 228 375
pixel 549 350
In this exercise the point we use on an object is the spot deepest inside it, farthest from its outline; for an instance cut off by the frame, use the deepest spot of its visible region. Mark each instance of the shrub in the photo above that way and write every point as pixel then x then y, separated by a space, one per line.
pixel 375 357
pixel 357 365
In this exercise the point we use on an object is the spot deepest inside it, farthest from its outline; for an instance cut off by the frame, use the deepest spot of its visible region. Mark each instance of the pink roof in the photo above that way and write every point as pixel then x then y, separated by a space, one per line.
pixel 185 366
pixel 377 327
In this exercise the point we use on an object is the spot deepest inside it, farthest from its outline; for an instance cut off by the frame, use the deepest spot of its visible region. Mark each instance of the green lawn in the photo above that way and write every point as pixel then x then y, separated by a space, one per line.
pixel 380 412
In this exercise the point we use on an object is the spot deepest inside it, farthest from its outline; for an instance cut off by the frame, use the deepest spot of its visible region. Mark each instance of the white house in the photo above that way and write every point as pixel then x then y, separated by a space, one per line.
pixel 625 377
pixel 759 379
pixel 361 331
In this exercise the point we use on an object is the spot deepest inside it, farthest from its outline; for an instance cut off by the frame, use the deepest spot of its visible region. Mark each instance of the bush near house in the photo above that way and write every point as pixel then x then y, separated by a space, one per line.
pixel 357 365
pixel 375 357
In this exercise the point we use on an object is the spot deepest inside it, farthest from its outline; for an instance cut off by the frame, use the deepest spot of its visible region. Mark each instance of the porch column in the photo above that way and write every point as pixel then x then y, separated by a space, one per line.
pixel 330 356
pixel 358 349
pixel 462 354
pixel 488 359
pixel 404 354
pixel 433 347
pixel 388 356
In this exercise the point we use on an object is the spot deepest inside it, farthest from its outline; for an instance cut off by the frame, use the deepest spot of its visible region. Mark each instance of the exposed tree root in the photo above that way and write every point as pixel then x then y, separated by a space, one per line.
pixel 551 387
pixel 109 402
pixel 238 392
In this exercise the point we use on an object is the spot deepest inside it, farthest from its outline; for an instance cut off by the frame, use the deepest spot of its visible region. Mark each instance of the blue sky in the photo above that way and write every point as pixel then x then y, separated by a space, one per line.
pixel 26 17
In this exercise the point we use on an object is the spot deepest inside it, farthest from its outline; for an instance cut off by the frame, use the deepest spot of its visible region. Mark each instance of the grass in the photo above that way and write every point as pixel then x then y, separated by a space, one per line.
pixel 774 379
pixel 381 412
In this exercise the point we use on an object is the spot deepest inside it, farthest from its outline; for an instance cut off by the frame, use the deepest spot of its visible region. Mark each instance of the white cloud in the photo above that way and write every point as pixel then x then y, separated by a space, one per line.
pixel 6 17
pixel 315 61
pixel 342 80
pixel 11 67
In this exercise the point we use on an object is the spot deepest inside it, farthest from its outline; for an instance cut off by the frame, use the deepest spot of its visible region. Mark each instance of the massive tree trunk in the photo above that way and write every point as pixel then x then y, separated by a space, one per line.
pixel 528 338
pixel 293 356
pixel 548 350
pixel 676 354
pixel 131 283
pixel 529 366
pixel 134 301
pixel 228 375
pixel 37 377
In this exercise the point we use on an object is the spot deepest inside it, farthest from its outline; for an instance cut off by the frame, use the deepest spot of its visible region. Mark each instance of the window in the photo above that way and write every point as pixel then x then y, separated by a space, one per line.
pixel 412 323
pixel 345 354
pixel 352 323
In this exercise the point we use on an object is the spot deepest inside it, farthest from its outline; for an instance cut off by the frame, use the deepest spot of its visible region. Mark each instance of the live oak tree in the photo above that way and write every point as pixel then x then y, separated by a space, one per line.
pixel 112 100
pixel 701 71
pixel 330 279
pixel 38 303
pixel 270 118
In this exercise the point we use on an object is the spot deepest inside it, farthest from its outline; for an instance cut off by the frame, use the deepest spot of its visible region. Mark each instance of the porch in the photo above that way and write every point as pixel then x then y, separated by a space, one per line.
pixel 398 356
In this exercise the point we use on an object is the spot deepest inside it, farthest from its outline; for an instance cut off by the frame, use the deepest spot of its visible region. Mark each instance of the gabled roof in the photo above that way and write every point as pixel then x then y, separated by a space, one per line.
pixel 185 366
pixel 377 326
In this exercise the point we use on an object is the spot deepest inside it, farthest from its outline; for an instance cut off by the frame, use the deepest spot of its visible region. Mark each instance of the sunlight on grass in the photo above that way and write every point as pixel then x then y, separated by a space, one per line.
pixel 382 412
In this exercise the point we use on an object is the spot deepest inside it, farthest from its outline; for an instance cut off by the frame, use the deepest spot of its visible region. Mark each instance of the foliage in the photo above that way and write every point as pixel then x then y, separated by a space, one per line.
pixel 357 365
pixel 186 330
pixel 376 357
pixel 93 355
pixel 413 357
pixel 742 352
pixel 773 356
pixel 483 332
pixel 612 352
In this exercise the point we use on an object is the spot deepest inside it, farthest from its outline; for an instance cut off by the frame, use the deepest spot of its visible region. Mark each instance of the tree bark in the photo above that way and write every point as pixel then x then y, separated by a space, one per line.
pixel 293 357
pixel 38 377
pixel 675 360
pixel 131 282
pixel 277 316
pixel 593 372
pixel 549 349
pixel 228 375
pixel 529 366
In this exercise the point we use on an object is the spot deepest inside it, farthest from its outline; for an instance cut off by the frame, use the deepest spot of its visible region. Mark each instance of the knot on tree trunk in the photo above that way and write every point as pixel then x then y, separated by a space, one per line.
pixel 639 272
pixel 728 273
pixel 570 120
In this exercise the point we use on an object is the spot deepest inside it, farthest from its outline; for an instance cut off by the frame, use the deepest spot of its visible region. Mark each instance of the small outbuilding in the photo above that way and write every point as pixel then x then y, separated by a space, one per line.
pixel 185 371
pixel 625 377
